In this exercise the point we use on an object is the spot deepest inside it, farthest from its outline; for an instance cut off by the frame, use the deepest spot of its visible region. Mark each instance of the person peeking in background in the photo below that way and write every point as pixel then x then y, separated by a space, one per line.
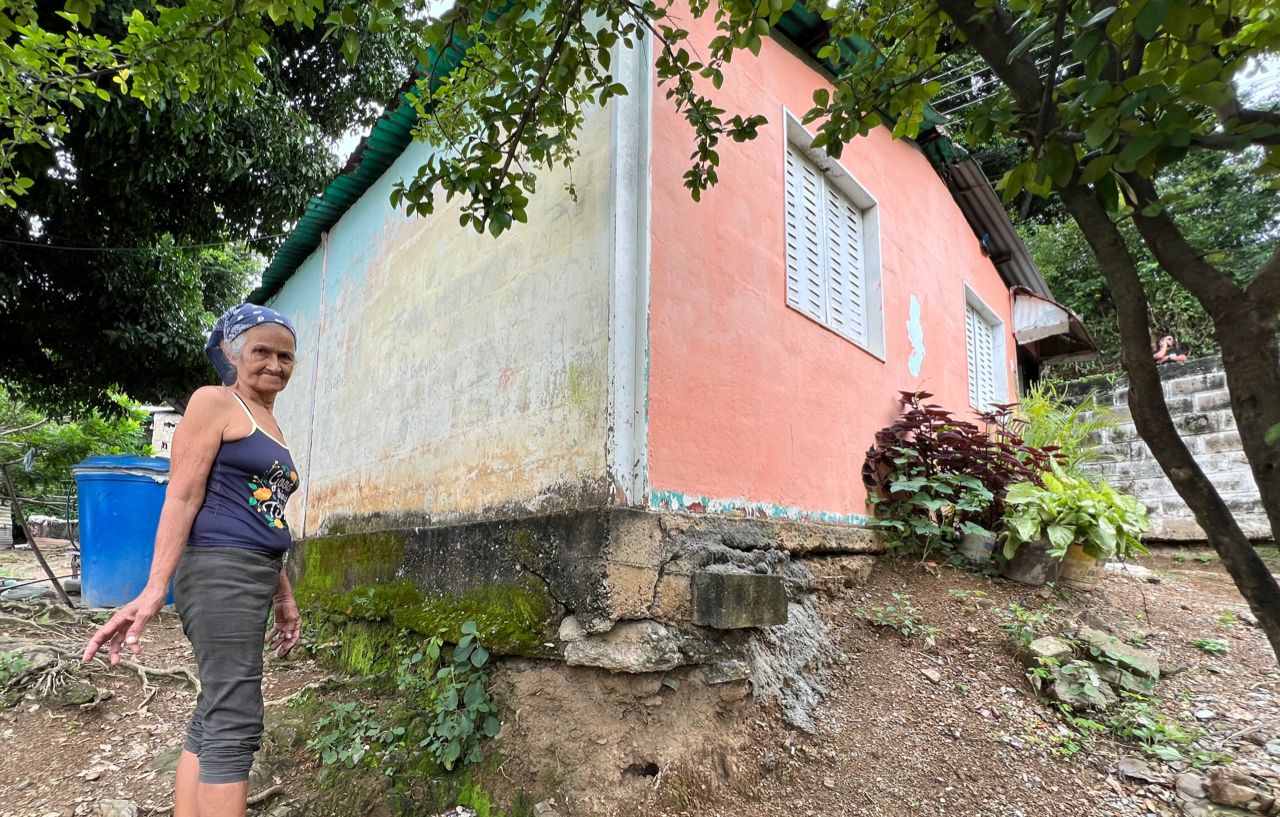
pixel 1167 351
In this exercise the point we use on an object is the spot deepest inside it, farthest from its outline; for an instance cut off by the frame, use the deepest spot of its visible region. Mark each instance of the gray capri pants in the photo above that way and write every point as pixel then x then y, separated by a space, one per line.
pixel 224 595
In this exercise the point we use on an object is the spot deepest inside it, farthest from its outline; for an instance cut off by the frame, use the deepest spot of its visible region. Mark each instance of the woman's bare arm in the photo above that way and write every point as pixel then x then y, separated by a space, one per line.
pixel 195 444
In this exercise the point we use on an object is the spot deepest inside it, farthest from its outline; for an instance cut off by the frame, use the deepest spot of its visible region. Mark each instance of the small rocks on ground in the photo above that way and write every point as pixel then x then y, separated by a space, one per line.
pixel 1229 787
pixel 115 808
pixel 1132 659
pixel 1137 769
pixel 1190 786
pixel 1047 649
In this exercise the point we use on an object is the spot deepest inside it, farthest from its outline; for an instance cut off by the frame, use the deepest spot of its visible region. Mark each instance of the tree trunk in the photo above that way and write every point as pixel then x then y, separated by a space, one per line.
pixel 1245 325
pixel 1249 357
pixel 993 33
pixel 1151 415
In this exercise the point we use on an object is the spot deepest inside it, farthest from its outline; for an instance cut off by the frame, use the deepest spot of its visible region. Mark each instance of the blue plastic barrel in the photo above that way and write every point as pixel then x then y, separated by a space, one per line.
pixel 120 501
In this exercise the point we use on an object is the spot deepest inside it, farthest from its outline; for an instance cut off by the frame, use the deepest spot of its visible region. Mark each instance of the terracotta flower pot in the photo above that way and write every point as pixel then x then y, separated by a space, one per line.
pixel 1080 571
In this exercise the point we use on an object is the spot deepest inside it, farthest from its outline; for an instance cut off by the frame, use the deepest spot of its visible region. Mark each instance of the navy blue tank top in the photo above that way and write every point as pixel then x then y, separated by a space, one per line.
pixel 245 496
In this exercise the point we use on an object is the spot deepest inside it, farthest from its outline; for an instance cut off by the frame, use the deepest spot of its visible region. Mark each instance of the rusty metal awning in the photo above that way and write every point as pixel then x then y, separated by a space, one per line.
pixel 1049 330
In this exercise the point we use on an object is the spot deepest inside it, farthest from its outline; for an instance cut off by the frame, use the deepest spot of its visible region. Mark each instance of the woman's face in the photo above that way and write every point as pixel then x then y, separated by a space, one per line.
pixel 265 362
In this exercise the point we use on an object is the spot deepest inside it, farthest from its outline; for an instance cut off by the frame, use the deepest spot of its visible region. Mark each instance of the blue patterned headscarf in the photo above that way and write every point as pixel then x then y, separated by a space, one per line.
pixel 235 322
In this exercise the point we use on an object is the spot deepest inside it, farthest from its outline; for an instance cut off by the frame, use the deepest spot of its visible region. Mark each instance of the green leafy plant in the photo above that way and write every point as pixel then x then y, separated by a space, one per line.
pixel 904 617
pixel 462 711
pixel 1213 646
pixel 441 715
pixel 1021 624
pixel 345 736
pixel 1227 618
pixel 933 478
pixel 12 667
pixel 1045 418
pixel 1067 510
pixel 1133 719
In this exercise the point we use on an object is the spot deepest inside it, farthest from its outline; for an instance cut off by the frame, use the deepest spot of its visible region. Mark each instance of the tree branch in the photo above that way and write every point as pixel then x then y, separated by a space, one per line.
pixel 1234 111
pixel 1264 289
pixel 531 109
pixel 994 39
pixel 1175 255
pixel 1232 142
pixel 1051 78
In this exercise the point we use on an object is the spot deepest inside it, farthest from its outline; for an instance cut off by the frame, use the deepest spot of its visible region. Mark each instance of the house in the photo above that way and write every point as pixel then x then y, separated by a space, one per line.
pixel 635 408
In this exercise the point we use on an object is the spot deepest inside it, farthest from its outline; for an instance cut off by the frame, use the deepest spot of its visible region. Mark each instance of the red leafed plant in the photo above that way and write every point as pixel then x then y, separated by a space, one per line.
pixel 933 477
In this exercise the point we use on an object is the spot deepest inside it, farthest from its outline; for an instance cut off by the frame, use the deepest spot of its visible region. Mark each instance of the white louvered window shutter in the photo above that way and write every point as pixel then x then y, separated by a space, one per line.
pixel 825 250
pixel 806 251
pixel 980 337
pixel 971 346
pixel 847 313
pixel 987 359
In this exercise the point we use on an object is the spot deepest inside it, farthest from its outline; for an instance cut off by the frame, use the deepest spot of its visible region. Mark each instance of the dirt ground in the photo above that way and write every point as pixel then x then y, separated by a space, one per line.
pixel 978 742
pixel 905 729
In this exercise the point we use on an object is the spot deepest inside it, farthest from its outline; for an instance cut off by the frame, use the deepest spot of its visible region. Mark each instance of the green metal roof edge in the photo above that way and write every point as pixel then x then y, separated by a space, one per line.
pixel 393 132
pixel 386 141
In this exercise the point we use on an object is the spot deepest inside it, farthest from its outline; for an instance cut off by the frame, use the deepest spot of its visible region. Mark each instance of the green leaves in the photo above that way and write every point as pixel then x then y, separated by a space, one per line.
pixel 442 708
pixel 1150 18
pixel 1028 41
pixel 1071 509
pixel 1273 435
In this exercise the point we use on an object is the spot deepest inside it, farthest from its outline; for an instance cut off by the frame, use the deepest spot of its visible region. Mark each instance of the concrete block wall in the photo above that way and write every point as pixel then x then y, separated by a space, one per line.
pixel 1196 393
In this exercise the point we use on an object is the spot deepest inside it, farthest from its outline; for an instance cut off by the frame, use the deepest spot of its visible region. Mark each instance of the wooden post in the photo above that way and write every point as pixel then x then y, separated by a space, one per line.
pixel 26 531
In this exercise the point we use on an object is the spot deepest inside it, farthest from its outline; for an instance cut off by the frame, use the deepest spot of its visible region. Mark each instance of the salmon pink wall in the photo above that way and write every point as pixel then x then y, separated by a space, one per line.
pixel 752 405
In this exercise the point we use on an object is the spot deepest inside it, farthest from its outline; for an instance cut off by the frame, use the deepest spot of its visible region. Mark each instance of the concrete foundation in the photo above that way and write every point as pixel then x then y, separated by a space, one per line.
pixel 624 590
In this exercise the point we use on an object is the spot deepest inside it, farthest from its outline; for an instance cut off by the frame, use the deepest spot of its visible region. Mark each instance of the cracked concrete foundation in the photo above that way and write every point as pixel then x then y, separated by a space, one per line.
pixel 620 590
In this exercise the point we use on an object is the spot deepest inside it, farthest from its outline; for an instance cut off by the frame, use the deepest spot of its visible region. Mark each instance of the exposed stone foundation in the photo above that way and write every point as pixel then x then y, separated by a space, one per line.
pixel 618 590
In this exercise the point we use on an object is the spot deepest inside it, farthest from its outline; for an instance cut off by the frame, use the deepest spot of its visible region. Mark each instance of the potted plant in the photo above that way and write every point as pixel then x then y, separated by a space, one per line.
pixel 937 482
pixel 1066 528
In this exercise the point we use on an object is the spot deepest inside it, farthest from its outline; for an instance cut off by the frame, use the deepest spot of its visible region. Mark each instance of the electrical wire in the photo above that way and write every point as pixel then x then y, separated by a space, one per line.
pixel 153 248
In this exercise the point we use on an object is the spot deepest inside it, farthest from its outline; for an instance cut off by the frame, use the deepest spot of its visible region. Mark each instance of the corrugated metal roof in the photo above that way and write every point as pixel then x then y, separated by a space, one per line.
pixel 981 206
pixel 393 133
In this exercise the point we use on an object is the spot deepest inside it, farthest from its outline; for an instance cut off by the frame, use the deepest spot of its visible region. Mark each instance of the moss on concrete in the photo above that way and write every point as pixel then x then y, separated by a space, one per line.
pixel 510 620
pixel 332 564
pixel 351 580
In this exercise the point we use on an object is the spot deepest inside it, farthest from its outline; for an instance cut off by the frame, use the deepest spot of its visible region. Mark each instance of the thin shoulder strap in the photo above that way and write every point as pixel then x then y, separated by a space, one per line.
pixel 245 406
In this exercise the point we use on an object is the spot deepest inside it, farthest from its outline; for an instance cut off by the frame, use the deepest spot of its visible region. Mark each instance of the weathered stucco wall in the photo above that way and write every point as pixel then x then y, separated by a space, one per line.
pixel 444 375
pixel 754 407
pixel 1196 394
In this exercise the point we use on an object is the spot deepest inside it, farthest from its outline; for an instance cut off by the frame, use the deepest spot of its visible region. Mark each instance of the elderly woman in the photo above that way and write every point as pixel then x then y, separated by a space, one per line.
pixel 222 530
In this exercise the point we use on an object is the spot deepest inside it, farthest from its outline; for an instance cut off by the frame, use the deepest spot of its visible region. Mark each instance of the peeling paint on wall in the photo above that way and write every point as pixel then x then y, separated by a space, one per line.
pixel 915 334
pixel 461 373
pixel 688 503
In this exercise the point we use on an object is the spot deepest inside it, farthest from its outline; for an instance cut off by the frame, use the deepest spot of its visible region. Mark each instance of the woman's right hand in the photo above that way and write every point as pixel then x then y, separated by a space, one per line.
pixel 125 627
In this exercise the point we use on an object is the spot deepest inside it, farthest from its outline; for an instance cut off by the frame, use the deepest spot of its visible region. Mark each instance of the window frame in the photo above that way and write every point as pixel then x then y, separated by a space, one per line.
pixel 999 350
pixel 843 181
